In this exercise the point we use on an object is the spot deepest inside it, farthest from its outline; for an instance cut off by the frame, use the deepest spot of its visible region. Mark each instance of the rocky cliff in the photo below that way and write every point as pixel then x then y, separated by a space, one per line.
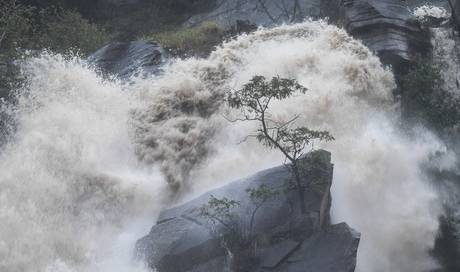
pixel 387 27
pixel 287 240
pixel 455 7
pixel 125 59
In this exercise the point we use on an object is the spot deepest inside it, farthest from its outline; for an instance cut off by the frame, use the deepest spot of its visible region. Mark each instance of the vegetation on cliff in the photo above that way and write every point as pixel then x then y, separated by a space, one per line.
pixel 26 30
pixel 425 99
pixel 198 40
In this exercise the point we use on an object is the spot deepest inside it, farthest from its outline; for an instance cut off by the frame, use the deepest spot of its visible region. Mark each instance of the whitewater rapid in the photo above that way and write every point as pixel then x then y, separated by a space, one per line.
pixel 92 161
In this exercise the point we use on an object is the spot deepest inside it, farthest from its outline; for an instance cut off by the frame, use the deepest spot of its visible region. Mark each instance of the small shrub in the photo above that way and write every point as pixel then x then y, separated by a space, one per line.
pixel 236 232
pixel 425 100
pixel 25 28
pixel 196 40
pixel 16 27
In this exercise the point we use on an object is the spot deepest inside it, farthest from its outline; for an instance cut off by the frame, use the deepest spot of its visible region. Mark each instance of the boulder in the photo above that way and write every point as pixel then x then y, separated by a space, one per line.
pixel 333 250
pixel 287 240
pixel 387 27
pixel 124 59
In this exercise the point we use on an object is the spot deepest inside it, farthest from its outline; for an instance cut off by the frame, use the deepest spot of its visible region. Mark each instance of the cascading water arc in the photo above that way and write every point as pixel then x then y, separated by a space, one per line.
pixel 86 159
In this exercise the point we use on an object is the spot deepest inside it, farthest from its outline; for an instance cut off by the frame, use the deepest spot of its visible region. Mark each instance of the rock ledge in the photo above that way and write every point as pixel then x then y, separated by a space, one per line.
pixel 181 240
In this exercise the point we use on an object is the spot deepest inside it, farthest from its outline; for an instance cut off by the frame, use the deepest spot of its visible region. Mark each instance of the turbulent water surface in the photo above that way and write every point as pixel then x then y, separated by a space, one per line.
pixel 92 161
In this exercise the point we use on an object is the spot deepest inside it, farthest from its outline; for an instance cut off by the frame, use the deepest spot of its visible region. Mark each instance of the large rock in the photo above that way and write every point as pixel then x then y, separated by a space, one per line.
pixel 125 59
pixel 287 240
pixel 387 27
pixel 260 12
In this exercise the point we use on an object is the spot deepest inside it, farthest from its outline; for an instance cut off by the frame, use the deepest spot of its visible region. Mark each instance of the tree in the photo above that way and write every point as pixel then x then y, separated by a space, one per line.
pixel 64 31
pixel 236 232
pixel 426 100
pixel 15 26
pixel 54 28
pixel 290 13
pixel 259 196
pixel 253 100
pixel 220 211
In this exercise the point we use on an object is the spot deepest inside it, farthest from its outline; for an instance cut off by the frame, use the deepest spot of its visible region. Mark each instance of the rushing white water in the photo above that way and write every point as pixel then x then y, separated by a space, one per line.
pixel 80 183
pixel 69 181
pixel 430 11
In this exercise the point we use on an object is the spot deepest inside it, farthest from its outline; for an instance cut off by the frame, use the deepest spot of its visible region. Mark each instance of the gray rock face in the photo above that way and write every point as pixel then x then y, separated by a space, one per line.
pixel 260 12
pixel 287 240
pixel 438 3
pixel 387 27
pixel 455 6
pixel 125 59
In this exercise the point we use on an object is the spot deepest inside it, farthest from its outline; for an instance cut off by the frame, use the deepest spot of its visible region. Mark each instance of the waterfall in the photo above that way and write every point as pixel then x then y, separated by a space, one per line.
pixel 92 161
pixel 70 183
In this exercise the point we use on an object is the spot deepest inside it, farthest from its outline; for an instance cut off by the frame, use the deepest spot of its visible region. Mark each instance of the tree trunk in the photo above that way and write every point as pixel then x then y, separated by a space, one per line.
pixel 300 188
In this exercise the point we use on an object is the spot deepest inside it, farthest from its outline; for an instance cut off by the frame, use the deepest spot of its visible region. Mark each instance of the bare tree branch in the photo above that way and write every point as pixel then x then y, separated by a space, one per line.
pixel 295 11
pixel 262 4
pixel 246 138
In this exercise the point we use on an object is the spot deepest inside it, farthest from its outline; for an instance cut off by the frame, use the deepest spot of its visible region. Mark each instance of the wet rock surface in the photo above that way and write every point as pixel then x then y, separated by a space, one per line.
pixel 387 27
pixel 290 241
pixel 125 59
pixel 455 6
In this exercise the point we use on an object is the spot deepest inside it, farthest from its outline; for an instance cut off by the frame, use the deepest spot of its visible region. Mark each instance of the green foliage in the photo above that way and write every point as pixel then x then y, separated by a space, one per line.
pixel 422 80
pixel 16 25
pixel 62 31
pixel 24 27
pixel 219 211
pixel 261 194
pixel 238 238
pixel 425 99
pixel 292 140
pixel 253 100
pixel 200 39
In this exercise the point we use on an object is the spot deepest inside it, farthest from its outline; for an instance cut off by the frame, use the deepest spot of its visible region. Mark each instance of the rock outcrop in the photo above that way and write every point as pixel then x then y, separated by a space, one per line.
pixel 455 7
pixel 387 27
pixel 286 239
pixel 260 12
pixel 125 59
